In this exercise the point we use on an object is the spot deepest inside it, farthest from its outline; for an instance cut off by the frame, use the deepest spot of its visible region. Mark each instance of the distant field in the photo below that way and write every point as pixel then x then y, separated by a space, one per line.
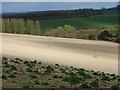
pixel 108 20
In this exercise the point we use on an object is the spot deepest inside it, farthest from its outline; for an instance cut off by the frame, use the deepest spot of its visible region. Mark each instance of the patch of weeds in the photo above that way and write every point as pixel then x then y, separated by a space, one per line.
pixel 39 62
pixel 26 86
pixel 49 69
pixel 115 87
pixel 7 65
pixel 8 72
pixel 13 68
pixel 25 62
pixel 36 71
pixel 4 58
pixel 5 62
pixel 94 84
pixel 4 77
pixel 45 83
pixel 62 70
pixel 12 76
pixel 17 62
pixel 105 78
pixel 84 85
pixel 29 70
pixel 72 79
pixel 55 76
pixel 82 73
pixel 37 82
pixel 33 76
pixel 62 86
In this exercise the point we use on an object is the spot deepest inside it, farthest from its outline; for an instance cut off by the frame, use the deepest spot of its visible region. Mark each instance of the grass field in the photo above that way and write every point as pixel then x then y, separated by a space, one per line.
pixel 108 20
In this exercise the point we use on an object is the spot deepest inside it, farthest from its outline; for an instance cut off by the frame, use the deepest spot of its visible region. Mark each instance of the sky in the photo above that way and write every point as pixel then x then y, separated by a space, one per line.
pixel 42 6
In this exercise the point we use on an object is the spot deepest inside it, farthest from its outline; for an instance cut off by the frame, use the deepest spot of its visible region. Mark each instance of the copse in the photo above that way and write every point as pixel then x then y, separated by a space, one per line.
pixel 20 26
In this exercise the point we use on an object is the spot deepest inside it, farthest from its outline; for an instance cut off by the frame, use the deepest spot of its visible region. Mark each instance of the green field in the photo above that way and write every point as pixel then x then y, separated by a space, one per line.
pixel 108 20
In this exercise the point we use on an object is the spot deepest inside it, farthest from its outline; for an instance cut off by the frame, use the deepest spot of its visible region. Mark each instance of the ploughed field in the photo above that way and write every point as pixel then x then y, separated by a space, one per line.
pixel 18 73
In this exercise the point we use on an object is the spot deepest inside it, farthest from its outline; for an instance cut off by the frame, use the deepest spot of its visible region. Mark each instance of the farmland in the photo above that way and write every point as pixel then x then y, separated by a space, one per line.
pixel 18 73
pixel 107 21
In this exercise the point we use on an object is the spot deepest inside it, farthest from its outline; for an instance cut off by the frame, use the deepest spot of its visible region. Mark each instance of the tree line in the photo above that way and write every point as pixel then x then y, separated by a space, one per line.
pixel 58 13
pixel 21 26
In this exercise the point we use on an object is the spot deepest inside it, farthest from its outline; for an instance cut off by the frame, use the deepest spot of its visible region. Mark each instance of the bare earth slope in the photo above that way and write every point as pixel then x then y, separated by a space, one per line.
pixel 88 54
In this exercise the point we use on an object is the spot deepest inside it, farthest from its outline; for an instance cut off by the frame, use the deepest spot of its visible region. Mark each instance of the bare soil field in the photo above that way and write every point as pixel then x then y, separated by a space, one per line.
pixel 88 54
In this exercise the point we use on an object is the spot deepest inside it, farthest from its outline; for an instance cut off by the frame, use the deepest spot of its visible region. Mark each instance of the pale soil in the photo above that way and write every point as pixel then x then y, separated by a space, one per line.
pixel 88 54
